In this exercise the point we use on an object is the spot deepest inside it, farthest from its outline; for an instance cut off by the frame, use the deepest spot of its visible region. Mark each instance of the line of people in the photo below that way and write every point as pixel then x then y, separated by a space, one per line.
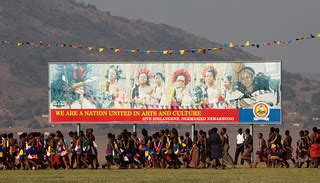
pixel 163 149
pixel 39 151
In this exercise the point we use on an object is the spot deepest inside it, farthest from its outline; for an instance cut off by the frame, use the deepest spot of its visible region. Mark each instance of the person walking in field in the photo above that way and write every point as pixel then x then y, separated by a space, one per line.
pixel 260 154
pixel 240 147
pixel 248 144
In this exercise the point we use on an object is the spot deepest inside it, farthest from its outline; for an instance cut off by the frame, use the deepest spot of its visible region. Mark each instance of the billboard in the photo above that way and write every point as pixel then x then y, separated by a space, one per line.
pixel 165 92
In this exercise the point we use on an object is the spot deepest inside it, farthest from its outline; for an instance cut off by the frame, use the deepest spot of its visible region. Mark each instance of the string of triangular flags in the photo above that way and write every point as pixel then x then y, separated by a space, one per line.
pixel 102 50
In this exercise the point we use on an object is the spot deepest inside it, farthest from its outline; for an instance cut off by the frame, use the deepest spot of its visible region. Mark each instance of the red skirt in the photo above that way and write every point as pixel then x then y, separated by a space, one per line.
pixel 315 151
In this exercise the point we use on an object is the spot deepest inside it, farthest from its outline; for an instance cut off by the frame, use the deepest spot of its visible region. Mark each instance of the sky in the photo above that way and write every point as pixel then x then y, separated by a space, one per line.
pixel 237 21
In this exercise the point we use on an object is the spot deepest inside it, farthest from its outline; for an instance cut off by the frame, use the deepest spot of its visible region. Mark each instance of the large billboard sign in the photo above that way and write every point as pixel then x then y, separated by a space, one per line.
pixel 165 92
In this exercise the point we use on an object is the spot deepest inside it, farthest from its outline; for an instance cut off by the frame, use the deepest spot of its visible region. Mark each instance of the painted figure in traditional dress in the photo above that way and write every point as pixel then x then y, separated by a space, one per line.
pixel 213 96
pixel 108 98
pixel 158 95
pixel 179 95
pixel 141 93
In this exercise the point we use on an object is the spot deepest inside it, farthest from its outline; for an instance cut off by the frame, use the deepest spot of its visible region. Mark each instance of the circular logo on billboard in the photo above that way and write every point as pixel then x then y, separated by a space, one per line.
pixel 261 111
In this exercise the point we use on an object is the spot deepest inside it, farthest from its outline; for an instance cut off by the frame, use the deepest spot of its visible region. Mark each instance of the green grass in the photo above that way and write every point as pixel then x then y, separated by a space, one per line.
pixel 165 175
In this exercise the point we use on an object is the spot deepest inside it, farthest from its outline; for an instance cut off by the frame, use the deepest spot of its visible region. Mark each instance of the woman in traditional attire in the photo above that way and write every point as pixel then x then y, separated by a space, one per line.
pixel 195 151
pixel 158 95
pixel 84 98
pixel 228 92
pixel 260 153
pixel 315 147
pixel 70 87
pixel 215 148
pixel 109 98
pixel 256 87
pixel 62 149
pixel 302 150
pixel 212 96
pixel 248 144
pixel 288 148
pixel 141 93
pixel 179 95
pixel 225 147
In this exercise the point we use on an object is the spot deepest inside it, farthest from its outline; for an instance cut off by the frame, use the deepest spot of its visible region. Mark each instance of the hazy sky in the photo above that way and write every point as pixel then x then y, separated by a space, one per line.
pixel 237 21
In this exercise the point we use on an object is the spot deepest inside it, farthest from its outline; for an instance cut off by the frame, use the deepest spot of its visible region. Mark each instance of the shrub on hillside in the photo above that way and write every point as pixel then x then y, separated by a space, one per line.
pixel 316 98
pixel 6 123
pixel 34 124
pixel 288 93
pixel 303 108
pixel 306 88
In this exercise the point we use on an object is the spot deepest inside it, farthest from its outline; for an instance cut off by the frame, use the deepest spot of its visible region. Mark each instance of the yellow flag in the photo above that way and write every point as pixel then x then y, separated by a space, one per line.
pixel 182 52
pixel 216 49
pixel 231 45
pixel 101 50
pixel 165 52
pixel 90 48
pixel 248 43
pixel 318 35
pixel 19 44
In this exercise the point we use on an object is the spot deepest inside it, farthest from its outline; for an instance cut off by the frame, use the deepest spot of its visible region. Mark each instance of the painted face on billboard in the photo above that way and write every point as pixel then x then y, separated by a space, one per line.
pixel 158 80
pixel 143 78
pixel 210 80
pixel 181 81
pixel 79 90
pixel 112 75
pixel 227 83
pixel 246 78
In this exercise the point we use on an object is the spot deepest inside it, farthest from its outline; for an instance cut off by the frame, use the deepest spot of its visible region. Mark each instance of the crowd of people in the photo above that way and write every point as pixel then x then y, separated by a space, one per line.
pixel 162 149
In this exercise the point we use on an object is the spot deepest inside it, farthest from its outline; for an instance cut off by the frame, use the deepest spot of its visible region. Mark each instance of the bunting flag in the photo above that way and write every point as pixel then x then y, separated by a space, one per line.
pixel 91 49
pixel 101 50
pixel 182 52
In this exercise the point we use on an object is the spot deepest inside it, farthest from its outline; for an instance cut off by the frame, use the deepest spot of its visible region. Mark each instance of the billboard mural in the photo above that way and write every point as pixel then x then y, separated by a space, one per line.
pixel 165 92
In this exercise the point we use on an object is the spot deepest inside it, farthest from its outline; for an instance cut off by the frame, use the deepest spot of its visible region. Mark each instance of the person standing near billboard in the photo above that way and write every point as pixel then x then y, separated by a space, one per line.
pixel 240 147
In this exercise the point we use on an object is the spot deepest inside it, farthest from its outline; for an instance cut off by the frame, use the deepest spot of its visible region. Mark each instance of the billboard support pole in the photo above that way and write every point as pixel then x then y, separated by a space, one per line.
pixel 193 128
pixel 251 131
pixel 78 128
pixel 134 128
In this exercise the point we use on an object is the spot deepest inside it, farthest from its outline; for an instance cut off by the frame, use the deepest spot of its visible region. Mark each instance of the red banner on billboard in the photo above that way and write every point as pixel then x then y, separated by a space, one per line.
pixel 144 115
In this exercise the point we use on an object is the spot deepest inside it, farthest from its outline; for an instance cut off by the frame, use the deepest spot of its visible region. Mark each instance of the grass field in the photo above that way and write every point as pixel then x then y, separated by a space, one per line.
pixel 165 175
